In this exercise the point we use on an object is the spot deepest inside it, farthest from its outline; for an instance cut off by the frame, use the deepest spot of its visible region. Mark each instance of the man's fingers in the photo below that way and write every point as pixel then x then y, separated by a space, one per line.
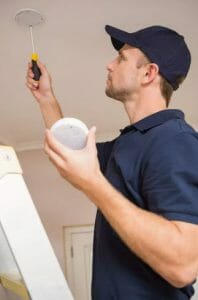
pixel 54 158
pixel 30 73
pixel 31 87
pixel 57 147
pixel 32 82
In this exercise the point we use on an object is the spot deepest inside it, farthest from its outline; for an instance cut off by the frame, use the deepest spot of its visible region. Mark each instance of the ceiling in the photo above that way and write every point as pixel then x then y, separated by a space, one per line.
pixel 75 48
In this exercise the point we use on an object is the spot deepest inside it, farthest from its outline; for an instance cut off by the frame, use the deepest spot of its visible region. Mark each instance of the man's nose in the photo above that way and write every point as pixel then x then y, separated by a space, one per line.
pixel 110 66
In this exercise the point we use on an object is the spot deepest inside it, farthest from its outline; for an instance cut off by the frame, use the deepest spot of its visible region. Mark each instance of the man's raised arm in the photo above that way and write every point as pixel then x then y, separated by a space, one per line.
pixel 43 93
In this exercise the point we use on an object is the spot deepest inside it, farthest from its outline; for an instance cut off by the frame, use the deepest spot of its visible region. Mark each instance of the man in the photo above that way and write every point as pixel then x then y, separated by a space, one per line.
pixel 145 182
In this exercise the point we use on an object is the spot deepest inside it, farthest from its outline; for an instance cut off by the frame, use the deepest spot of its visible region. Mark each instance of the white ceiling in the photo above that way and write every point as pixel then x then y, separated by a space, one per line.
pixel 74 46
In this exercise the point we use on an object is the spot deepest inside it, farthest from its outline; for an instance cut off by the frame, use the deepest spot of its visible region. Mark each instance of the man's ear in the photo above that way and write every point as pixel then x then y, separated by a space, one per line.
pixel 151 72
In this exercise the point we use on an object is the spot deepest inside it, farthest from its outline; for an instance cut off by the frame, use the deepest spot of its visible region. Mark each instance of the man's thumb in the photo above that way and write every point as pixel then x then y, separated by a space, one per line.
pixel 91 138
pixel 42 67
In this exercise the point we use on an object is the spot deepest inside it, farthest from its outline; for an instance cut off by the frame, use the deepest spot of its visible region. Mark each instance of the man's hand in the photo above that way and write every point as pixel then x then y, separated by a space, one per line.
pixel 79 167
pixel 42 89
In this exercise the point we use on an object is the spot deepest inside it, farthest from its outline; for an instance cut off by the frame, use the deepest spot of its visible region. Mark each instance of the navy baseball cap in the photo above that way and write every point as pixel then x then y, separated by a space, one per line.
pixel 161 45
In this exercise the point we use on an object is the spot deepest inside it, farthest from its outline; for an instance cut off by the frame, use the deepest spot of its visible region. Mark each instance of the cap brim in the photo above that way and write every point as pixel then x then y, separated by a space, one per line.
pixel 120 37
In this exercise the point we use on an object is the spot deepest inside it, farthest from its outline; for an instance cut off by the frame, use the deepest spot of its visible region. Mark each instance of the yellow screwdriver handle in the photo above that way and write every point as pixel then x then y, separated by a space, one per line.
pixel 35 68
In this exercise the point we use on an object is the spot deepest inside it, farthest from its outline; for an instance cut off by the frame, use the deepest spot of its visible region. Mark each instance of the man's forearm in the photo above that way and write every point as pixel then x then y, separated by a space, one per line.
pixel 43 93
pixel 51 111
pixel 157 241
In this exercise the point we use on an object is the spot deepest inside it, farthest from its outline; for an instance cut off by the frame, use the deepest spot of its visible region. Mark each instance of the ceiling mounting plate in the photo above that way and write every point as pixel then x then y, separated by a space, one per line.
pixel 29 17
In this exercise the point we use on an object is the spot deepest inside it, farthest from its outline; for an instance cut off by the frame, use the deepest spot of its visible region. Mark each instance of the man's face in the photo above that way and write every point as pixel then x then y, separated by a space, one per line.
pixel 124 73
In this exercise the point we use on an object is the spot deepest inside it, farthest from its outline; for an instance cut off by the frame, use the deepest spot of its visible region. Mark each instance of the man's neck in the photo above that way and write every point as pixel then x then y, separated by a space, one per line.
pixel 141 107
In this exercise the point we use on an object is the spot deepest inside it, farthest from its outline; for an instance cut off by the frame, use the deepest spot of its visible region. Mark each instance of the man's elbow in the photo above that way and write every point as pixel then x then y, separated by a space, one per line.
pixel 183 277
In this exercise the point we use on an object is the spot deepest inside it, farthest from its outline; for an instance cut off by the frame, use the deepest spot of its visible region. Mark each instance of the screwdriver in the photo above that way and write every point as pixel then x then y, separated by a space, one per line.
pixel 35 69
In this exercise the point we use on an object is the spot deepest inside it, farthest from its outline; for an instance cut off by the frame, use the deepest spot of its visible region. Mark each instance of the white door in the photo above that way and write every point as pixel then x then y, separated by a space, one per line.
pixel 78 249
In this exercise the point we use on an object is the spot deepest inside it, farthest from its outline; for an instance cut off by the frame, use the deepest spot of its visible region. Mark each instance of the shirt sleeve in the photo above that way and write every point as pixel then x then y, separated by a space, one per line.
pixel 104 151
pixel 170 179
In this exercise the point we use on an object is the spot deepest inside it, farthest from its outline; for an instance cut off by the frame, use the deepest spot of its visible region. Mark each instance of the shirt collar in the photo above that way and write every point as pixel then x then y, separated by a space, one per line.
pixel 154 120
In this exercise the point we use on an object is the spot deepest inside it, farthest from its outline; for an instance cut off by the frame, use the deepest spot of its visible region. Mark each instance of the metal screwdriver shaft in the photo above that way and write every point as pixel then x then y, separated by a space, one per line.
pixel 32 39
pixel 35 68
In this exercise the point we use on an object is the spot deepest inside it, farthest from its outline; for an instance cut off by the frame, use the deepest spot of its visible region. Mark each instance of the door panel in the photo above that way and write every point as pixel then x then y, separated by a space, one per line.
pixel 79 243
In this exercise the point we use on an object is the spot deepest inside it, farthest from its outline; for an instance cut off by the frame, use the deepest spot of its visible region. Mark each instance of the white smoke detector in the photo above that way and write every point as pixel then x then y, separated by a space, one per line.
pixel 70 132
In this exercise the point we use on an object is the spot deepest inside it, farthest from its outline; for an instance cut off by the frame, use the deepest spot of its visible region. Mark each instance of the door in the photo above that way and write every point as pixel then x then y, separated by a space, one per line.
pixel 78 249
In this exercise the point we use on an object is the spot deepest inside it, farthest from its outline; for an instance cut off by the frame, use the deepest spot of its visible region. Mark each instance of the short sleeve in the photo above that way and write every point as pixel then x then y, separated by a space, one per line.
pixel 170 179
pixel 104 152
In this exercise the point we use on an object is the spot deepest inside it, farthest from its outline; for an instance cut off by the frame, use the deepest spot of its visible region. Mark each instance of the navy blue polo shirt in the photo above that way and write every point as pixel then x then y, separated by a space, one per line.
pixel 154 163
